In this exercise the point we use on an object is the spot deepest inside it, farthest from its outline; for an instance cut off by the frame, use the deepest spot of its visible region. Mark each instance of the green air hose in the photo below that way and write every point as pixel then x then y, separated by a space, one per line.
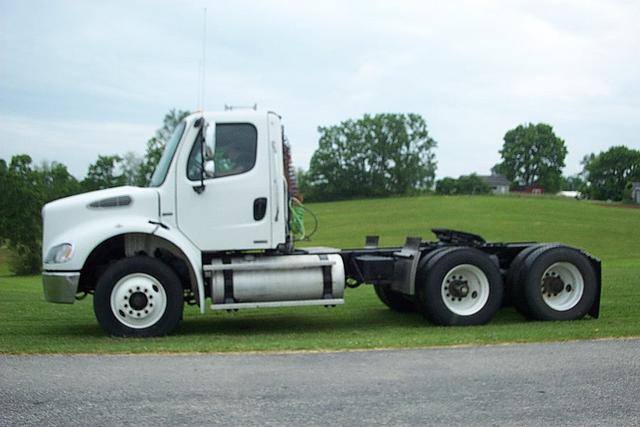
pixel 296 221
pixel 297 218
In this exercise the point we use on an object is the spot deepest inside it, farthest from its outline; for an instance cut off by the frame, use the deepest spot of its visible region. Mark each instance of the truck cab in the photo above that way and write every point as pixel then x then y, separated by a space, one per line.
pixel 237 198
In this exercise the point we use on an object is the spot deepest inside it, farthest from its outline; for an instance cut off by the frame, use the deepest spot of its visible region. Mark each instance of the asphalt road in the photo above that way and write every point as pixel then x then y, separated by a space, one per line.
pixel 580 383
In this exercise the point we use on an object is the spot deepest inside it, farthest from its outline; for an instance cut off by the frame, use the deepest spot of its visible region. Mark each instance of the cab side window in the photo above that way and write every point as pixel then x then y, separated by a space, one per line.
pixel 234 153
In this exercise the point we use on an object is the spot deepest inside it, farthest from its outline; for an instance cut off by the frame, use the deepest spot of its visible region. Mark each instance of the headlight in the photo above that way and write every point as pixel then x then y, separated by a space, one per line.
pixel 59 253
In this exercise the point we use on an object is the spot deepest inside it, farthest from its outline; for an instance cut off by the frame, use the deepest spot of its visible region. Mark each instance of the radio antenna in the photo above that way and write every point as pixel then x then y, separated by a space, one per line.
pixel 204 58
pixel 202 66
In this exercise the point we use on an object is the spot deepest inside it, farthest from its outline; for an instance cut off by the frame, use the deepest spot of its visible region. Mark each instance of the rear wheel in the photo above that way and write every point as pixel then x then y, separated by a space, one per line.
pixel 558 283
pixel 513 282
pixel 395 300
pixel 459 286
pixel 139 297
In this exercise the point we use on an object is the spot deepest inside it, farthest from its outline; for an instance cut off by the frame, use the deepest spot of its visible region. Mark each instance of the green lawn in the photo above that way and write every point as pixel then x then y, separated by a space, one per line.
pixel 30 325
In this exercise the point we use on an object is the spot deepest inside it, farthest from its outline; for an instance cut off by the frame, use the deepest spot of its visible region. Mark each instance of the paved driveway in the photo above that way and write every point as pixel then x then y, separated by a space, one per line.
pixel 579 383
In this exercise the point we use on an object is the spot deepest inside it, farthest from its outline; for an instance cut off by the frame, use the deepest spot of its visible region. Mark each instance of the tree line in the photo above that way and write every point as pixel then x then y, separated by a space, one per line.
pixel 393 154
pixel 373 156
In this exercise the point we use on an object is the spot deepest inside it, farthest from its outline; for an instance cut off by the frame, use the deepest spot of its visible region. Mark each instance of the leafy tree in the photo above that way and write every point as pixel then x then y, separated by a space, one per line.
pixel 610 172
pixel 130 165
pixel 469 184
pixel 304 186
pixel 106 172
pixel 57 182
pixel 472 184
pixel 572 183
pixel 533 154
pixel 155 146
pixel 24 190
pixel 20 228
pixel 376 155
pixel 447 186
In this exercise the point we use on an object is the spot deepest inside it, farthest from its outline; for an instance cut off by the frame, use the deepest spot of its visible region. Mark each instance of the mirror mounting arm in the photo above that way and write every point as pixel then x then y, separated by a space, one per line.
pixel 200 123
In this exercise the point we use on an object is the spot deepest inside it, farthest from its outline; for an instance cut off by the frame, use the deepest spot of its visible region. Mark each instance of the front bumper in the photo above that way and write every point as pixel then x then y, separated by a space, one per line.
pixel 60 287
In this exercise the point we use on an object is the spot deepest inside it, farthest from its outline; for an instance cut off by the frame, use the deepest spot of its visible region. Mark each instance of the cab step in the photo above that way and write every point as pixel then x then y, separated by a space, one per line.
pixel 271 304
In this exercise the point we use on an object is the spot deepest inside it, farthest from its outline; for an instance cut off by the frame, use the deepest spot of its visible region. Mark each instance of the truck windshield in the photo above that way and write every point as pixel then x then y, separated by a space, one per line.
pixel 163 165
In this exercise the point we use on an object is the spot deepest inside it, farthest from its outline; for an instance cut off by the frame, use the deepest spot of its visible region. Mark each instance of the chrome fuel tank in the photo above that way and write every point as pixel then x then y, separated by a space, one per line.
pixel 276 278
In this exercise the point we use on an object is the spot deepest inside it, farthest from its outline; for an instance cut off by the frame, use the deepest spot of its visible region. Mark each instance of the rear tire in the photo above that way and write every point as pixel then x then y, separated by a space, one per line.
pixel 558 283
pixel 513 282
pixel 395 300
pixel 138 297
pixel 459 286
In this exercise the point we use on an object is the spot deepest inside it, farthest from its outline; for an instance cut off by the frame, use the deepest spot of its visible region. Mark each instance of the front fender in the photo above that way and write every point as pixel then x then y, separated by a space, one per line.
pixel 86 237
pixel 191 252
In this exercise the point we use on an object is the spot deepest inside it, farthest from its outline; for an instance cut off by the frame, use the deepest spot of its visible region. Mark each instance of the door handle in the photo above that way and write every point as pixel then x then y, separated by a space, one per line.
pixel 259 208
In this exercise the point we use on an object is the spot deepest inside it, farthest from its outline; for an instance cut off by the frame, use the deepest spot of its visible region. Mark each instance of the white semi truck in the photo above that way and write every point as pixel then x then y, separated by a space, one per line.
pixel 213 229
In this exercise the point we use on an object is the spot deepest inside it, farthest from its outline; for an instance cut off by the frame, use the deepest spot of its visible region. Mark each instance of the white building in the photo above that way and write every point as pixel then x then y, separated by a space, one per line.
pixel 499 184
pixel 635 192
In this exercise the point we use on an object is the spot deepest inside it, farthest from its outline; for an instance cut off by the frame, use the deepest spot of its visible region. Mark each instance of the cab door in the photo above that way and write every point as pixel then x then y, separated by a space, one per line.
pixel 228 209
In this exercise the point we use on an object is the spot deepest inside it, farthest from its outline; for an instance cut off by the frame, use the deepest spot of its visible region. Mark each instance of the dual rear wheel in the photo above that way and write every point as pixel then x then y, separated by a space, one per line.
pixel 458 286
pixel 552 282
pixel 464 286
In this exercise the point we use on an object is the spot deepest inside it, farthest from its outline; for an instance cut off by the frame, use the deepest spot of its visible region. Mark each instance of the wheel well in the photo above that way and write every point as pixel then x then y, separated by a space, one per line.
pixel 128 245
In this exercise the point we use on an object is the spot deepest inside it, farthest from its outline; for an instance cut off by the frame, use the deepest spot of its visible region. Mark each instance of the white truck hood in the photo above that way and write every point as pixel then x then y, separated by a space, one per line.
pixel 64 219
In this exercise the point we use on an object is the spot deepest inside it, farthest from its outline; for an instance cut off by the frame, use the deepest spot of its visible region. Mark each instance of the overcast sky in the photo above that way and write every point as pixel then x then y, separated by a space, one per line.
pixel 82 78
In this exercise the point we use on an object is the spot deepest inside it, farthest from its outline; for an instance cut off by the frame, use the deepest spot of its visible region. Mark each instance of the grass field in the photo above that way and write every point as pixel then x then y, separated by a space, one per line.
pixel 30 325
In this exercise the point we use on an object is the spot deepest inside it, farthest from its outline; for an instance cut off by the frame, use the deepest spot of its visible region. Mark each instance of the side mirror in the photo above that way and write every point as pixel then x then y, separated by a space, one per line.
pixel 208 165
pixel 210 140
pixel 207 144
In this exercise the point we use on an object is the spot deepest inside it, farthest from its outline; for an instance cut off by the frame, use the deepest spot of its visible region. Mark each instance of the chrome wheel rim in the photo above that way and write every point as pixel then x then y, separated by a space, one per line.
pixel 138 300
pixel 465 290
pixel 562 286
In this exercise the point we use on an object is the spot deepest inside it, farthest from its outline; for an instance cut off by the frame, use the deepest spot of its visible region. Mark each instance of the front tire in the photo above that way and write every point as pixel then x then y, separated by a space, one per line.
pixel 459 286
pixel 138 297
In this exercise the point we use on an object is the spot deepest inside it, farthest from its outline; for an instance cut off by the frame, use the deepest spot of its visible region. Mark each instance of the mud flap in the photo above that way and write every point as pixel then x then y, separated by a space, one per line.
pixel 406 266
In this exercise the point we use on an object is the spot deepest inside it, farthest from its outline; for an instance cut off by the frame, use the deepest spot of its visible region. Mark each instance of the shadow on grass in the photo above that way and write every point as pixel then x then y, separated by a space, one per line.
pixel 285 324
pixel 280 324
pixel 294 324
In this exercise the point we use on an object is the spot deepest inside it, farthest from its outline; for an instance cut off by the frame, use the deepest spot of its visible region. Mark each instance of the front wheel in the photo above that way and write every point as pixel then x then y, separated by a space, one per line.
pixel 138 297
pixel 460 286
